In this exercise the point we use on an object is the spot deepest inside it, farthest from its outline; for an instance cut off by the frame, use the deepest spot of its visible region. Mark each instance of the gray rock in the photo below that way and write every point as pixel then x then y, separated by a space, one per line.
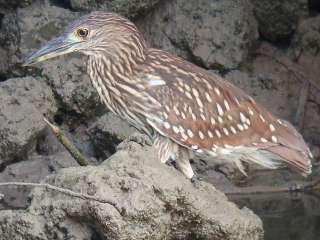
pixel 307 37
pixel 279 19
pixel 106 133
pixel 14 3
pixel 304 50
pixel 128 8
pixel 214 34
pixel 9 44
pixel 156 202
pixel 23 101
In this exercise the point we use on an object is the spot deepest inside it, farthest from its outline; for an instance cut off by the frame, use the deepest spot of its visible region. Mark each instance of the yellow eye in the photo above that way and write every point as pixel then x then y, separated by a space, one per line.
pixel 82 32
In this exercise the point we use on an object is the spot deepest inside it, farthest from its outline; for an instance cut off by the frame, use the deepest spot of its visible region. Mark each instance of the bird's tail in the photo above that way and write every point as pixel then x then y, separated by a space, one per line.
pixel 293 150
pixel 290 150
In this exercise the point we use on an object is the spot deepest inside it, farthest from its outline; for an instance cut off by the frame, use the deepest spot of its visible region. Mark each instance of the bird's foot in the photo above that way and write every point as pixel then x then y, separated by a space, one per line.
pixel 196 181
pixel 140 138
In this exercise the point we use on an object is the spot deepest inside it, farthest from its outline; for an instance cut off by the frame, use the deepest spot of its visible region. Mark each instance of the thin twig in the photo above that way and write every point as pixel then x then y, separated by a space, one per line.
pixel 314 185
pixel 64 191
pixel 75 153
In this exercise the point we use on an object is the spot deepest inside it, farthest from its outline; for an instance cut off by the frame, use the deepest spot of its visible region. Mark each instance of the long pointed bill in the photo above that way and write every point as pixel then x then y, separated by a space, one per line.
pixel 54 48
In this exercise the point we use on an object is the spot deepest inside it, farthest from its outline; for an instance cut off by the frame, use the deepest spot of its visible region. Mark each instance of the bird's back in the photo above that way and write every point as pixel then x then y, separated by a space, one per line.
pixel 205 113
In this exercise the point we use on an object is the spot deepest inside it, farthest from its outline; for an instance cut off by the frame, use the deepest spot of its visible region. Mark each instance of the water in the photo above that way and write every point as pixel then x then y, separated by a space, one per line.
pixel 286 216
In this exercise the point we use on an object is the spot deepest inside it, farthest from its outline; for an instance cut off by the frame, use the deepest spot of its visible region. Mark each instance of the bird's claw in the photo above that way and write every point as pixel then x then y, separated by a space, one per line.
pixel 196 181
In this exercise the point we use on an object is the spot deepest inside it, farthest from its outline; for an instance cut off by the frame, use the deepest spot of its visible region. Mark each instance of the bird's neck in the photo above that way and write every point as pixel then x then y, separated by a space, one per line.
pixel 116 81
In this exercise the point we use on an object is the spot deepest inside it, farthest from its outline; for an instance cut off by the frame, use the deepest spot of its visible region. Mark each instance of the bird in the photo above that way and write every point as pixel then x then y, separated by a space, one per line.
pixel 184 109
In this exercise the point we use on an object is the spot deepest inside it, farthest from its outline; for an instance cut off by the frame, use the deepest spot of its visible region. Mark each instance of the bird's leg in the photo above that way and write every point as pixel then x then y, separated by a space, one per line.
pixel 183 163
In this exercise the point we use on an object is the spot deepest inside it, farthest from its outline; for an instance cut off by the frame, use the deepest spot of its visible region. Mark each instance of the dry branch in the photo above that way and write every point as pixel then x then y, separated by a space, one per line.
pixel 64 191
pixel 75 153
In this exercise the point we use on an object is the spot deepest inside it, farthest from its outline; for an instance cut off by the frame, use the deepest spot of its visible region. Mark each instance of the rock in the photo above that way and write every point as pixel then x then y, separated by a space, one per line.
pixel 14 3
pixel 67 75
pixel 35 169
pixel 106 133
pixel 307 37
pixel 156 202
pixel 213 34
pixel 304 51
pixel 128 8
pixel 72 87
pixel 279 19
pixel 23 101
pixel 9 44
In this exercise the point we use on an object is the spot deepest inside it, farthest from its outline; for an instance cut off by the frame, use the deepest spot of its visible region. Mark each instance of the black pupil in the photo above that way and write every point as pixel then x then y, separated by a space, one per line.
pixel 82 32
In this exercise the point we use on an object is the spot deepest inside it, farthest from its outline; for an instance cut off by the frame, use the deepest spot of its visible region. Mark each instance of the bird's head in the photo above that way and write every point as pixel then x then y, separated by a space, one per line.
pixel 99 33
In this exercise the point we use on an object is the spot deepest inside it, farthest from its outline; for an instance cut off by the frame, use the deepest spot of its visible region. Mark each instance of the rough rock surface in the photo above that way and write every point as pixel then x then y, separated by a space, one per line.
pixel 129 8
pixel 14 3
pixel 305 52
pixel 9 44
pixel 23 101
pixel 106 133
pixel 156 202
pixel 279 19
pixel 214 34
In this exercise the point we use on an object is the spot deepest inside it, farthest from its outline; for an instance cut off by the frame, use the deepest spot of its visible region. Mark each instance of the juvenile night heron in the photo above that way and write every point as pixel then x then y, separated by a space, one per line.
pixel 185 109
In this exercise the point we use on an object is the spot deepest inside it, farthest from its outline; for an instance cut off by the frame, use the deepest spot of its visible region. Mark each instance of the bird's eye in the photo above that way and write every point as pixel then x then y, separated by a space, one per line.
pixel 82 32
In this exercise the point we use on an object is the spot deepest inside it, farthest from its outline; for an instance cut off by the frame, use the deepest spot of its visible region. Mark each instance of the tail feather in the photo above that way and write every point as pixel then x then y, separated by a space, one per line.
pixel 296 159
pixel 292 149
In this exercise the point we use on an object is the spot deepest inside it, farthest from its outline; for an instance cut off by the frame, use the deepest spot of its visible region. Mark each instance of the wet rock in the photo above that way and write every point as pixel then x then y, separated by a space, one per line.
pixel 66 75
pixel 106 133
pixel 213 34
pixel 156 202
pixel 23 101
pixel 279 19
pixel 128 8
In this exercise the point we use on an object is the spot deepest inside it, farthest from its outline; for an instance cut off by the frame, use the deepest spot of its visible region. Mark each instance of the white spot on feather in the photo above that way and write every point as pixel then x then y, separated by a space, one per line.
pixel 242 118
pixel 226 132
pixel 218 133
pixel 274 139
pixel 175 129
pixel 272 128
pixel 208 97
pixel 217 91
pixel 190 133
pixel 156 82
pixel 226 104
pixel 219 108
pixel 263 140
pixel 201 135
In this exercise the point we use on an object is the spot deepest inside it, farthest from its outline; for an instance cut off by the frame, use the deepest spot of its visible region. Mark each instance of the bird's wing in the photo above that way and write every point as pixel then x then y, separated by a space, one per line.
pixel 199 109
pixel 202 111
